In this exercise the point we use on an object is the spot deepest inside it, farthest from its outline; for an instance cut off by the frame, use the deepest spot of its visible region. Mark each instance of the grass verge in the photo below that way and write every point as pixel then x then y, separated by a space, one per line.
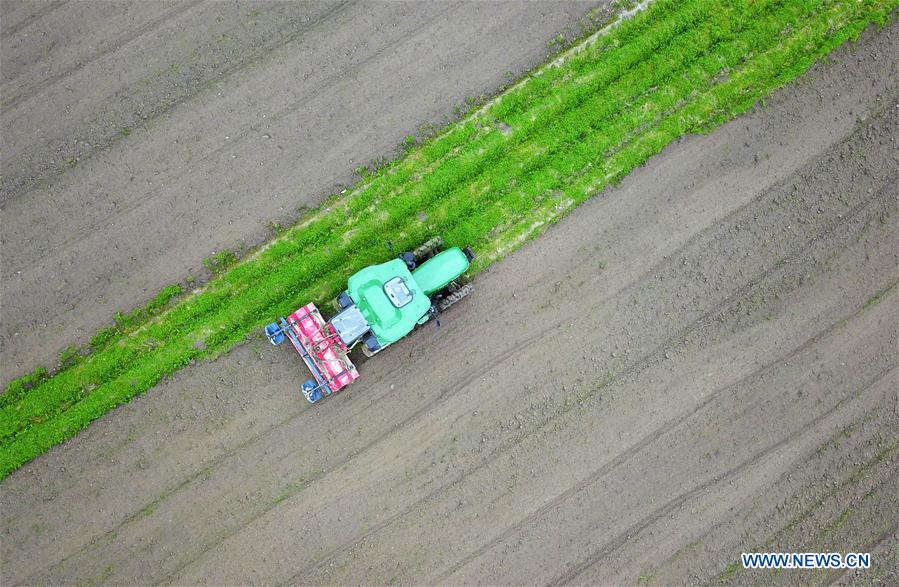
pixel 492 181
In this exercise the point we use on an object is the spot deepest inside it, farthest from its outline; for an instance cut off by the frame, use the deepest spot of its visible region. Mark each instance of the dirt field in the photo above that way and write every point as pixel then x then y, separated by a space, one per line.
pixel 700 362
pixel 142 137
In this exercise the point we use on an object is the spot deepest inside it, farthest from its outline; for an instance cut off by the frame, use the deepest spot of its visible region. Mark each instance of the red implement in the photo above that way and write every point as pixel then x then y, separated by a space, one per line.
pixel 321 348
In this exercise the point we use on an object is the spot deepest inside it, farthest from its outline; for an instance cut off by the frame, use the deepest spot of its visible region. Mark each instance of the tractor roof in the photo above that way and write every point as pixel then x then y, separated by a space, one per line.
pixel 392 311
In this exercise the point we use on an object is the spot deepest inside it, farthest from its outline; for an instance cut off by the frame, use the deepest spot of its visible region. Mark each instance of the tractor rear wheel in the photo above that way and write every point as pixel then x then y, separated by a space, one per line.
pixel 454 296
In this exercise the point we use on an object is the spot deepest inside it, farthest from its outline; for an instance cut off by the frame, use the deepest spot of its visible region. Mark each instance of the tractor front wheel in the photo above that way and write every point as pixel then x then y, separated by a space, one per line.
pixel 427 250
pixel 343 301
pixel 274 333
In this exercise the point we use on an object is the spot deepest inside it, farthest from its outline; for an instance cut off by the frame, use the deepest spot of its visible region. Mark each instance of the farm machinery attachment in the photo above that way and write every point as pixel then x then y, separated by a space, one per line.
pixel 381 305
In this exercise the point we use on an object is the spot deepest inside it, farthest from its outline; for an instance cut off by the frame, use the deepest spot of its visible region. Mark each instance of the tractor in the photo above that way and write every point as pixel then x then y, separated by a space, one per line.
pixel 381 304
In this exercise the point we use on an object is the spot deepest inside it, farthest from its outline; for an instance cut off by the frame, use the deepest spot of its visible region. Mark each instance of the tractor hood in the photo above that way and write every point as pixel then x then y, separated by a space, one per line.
pixel 438 271
pixel 389 298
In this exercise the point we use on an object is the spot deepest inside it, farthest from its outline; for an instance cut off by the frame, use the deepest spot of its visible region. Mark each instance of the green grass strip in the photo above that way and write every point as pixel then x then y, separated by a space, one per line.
pixel 492 180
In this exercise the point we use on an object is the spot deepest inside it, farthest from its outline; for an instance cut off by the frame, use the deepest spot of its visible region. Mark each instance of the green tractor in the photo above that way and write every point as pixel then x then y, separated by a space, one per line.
pixel 382 304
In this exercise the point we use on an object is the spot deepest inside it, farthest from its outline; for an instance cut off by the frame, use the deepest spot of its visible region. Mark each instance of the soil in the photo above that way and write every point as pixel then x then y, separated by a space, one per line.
pixel 143 137
pixel 699 362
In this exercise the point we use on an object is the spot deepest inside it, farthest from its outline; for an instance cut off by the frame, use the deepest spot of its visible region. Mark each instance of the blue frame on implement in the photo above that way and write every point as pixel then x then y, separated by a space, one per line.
pixel 312 390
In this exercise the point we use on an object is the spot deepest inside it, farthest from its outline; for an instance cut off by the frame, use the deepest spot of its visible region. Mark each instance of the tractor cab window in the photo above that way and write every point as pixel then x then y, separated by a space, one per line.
pixel 398 292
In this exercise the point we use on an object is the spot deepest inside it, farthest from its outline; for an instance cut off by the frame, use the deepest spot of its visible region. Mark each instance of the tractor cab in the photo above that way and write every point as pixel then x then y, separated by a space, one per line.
pixel 382 304
pixel 394 297
pixel 390 301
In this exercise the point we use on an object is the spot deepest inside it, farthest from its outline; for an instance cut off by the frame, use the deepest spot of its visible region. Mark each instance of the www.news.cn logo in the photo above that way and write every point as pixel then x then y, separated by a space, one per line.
pixel 806 560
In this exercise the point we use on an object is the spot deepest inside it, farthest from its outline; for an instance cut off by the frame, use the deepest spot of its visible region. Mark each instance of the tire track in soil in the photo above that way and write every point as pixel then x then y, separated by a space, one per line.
pixel 518 347
pixel 115 45
pixel 788 486
pixel 599 473
pixel 47 8
pixel 513 351
pixel 232 145
pixel 890 533
pixel 124 277
pixel 654 516
pixel 668 260
pixel 881 477
pixel 486 365
pixel 752 284
pixel 634 368
pixel 871 487
pixel 647 440
pixel 350 457
pixel 247 134
pixel 135 515
pixel 254 57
